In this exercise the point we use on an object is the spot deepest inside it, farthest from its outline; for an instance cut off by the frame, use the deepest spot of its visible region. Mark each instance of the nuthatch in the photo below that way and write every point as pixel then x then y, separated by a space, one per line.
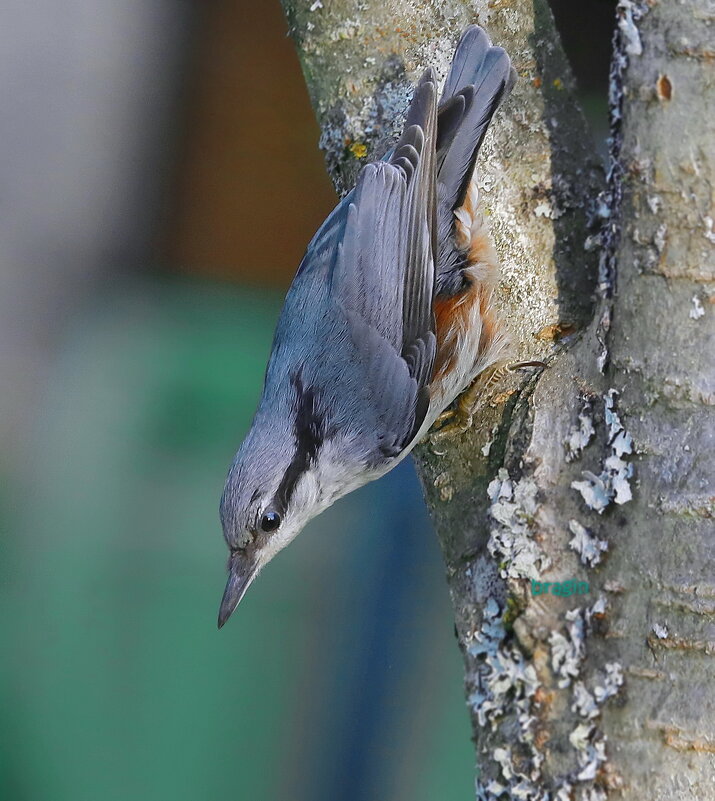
pixel 388 319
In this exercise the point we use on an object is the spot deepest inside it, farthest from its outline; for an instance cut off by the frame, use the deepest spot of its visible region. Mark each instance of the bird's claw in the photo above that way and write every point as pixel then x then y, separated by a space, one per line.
pixel 461 414
pixel 460 423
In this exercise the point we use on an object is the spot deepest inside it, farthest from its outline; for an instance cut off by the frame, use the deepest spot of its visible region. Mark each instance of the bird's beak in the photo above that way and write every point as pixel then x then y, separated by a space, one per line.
pixel 242 569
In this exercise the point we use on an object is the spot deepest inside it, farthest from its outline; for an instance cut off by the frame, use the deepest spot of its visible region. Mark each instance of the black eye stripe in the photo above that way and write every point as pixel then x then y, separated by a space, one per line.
pixel 310 433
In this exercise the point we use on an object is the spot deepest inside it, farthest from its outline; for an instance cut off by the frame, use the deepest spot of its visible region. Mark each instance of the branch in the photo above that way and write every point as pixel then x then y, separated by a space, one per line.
pixel 661 346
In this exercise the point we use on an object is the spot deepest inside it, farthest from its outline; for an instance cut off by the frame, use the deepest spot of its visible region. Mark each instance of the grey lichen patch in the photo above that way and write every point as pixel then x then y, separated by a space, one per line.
pixel 621 443
pixel 655 203
pixel 613 483
pixel 660 238
pixel 591 752
pixel 503 674
pixel 584 704
pixel 504 686
pixel 564 793
pixel 589 743
pixel 587 546
pixel 580 435
pixel 602 329
pixel 661 632
pixel 512 539
pixel 546 209
pixel 709 233
pixel 697 311
pixel 568 651
pixel 594 491
pixel 612 682
pixel 487 447
pixel 629 13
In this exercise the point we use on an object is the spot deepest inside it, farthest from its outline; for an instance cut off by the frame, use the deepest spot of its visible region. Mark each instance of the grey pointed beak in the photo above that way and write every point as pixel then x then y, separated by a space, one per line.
pixel 242 570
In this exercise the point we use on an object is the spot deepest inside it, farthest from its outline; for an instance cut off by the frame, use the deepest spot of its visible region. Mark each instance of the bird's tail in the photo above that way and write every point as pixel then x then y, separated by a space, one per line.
pixel 481 76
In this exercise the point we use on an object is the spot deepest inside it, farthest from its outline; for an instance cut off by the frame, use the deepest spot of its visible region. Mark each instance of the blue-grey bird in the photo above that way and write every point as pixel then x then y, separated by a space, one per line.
pixel 388 319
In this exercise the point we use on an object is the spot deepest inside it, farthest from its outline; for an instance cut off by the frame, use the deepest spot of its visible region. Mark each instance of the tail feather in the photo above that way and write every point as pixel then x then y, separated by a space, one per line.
pixel 480 77
pixel 473 46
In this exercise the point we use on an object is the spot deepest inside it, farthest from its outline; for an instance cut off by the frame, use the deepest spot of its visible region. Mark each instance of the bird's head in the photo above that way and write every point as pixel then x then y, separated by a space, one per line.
pixel 283 475
pixel 267 500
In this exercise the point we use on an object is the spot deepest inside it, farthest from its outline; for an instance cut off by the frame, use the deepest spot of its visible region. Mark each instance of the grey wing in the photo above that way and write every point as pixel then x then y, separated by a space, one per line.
pixel 384 275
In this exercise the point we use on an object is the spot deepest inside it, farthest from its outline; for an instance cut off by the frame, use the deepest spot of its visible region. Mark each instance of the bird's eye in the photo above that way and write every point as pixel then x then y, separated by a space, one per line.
pixel 270 521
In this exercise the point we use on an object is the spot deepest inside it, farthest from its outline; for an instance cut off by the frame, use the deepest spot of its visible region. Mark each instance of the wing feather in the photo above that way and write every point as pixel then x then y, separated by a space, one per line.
pixel 384 273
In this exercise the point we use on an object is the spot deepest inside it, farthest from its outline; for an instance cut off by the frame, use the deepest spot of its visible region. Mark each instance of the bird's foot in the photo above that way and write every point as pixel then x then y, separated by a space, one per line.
pixel 458 418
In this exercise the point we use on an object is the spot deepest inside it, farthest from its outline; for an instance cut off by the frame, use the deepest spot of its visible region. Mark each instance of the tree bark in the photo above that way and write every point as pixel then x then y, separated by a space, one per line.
pixel 599 468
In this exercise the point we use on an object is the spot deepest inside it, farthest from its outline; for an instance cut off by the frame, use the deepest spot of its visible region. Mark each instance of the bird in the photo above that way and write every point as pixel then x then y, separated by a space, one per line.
pixel 390 317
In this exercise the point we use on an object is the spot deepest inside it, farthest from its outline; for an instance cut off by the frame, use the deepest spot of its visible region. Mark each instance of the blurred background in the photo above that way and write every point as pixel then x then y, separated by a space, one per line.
pixel 159 180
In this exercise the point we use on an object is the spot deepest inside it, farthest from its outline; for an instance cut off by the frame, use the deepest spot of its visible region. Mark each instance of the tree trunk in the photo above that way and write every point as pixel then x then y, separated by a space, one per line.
pixel 598 468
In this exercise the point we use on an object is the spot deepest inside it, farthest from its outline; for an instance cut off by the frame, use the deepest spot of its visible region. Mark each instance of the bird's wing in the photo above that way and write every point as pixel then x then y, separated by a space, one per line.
pixel 383 275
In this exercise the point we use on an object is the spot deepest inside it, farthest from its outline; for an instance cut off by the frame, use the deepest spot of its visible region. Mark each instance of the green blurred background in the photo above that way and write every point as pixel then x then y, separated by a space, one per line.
pixel 159 181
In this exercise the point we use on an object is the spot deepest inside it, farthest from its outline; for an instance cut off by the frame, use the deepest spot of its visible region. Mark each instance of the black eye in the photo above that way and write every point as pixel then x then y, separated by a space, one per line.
pixel 270 521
